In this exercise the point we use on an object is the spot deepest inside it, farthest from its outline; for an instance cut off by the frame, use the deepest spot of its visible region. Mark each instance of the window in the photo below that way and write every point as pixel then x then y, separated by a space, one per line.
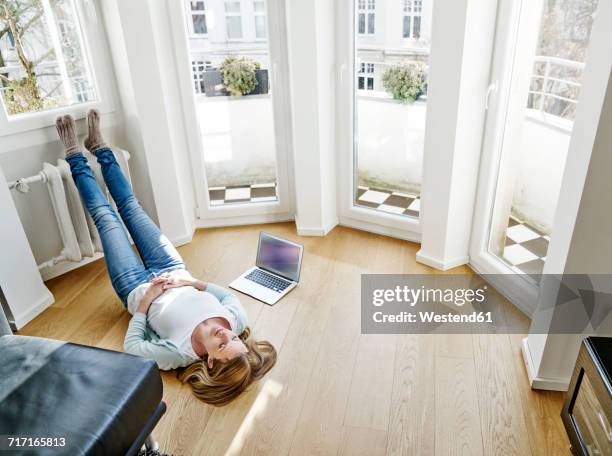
pixel 198 18
pixel 260 19
pixel 411 28
pixel 233 20
pixel 365 77
pixel 44 60
pixel 383 122
pixel 366 17
pixel 198 68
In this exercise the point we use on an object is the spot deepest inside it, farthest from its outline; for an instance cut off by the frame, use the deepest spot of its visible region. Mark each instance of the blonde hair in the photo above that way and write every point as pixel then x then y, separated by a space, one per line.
pixel 226 381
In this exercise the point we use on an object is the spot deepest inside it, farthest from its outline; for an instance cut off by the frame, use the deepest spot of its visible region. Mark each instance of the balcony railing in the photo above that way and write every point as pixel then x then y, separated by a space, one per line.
pixel 554 87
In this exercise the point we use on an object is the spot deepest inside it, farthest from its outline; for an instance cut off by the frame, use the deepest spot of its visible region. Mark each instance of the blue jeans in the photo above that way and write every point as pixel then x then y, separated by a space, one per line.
pixel 124 267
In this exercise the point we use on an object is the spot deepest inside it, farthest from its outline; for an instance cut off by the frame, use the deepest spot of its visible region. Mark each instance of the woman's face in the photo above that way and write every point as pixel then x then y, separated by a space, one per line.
pixel 221 343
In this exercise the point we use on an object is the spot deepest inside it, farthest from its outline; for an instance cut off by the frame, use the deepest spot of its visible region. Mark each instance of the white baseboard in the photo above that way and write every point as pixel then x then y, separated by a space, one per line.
pixel 245 220
pixel 316 230
pixel 182 240
pixel 20 320
pixel 380 229
pixel 551 384
pixel 442 265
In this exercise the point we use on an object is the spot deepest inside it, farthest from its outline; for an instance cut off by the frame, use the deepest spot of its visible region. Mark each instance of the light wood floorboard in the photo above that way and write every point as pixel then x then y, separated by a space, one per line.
pixel 333 391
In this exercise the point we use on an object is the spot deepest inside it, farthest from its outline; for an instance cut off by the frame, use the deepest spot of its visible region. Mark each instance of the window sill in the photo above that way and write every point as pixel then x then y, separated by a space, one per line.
pixel 45 133
pixel 43 119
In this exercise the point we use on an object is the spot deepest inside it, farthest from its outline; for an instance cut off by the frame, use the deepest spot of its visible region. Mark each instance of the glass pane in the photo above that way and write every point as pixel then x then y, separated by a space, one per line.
pixel 234 101
pixel 371 23
pixel 232 7
pixel 536 139
pixel 260 7
pixel 406 28
pixel 390 110
pixel 53 70
pixel 197 6
pixel 417 27
pixel 260 26
pixel 362 23
pixel 234 27
pixel 199 23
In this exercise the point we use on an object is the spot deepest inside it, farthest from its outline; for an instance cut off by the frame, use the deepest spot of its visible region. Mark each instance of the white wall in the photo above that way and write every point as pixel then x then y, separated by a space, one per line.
pixel 541 161
pixel 390 141
pixel 238 136
pixel 312 85
pixel 453 139
pixel 22 292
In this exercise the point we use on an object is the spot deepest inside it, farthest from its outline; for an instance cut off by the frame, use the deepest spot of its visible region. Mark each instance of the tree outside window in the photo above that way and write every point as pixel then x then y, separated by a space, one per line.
pixel 43 63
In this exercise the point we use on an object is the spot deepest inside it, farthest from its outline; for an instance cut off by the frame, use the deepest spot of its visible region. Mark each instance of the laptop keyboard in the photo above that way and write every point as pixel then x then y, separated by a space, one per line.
pixel 268 280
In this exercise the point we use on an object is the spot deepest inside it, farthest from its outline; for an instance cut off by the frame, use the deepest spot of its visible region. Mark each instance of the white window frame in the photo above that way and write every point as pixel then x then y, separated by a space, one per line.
pixel 96 49
pixel 513 50
pixel 366 72
pixel 247 213
pixel 198 76
pixel 228 14
pixel 257 14
pixel 191 13
pixel 412 9
pixel 366 8
pixel 350 214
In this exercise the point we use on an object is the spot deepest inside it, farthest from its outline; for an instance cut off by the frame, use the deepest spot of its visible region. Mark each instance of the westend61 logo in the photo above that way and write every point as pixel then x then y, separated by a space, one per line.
pixel 414 296
pixel 400 304
pixel 466 304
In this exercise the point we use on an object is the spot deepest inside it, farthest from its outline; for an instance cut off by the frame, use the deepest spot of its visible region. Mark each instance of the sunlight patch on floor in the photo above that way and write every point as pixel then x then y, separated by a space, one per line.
pixel 270 390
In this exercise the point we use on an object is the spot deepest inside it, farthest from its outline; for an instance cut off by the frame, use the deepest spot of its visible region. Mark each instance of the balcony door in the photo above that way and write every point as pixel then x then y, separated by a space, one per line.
pixel 384 49
pixel 236 90
pixel 538 65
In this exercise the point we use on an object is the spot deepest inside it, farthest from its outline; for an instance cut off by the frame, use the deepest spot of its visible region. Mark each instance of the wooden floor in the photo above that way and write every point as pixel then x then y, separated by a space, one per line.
pixel 333 390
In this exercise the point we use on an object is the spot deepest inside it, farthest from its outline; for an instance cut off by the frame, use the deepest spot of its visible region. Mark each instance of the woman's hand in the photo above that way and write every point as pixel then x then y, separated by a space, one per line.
pixel 185 280
pixel 157 286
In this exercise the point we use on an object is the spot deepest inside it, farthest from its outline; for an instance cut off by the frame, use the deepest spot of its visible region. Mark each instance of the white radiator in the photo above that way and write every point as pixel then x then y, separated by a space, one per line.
pixel 81 242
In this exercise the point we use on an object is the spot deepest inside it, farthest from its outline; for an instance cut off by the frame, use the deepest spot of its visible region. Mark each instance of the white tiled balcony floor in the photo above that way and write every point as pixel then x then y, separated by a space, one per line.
pixel 255 193
pixel 386 201
pixel 525 247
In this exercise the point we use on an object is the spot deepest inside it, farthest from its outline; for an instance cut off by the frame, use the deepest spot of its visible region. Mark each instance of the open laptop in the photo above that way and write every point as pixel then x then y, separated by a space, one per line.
pixel 276 271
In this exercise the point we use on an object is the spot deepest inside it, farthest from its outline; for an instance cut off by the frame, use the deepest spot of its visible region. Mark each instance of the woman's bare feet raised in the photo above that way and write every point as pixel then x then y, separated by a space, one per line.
pixel 94 140
pixel 66 129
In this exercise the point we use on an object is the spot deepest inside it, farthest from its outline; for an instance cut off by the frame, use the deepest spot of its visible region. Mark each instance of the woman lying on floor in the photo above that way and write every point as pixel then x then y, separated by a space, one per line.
pixel 177 320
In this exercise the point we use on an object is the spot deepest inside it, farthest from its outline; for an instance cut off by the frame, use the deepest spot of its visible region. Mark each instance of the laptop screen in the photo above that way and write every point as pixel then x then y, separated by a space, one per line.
pixel 279 256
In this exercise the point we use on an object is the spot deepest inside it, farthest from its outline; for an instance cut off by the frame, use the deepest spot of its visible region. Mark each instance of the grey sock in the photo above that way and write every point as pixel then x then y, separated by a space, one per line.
pixel 66 129
pixel 94 140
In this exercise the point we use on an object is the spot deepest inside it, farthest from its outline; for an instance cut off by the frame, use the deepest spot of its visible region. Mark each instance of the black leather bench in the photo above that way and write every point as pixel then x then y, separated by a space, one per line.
pixel 99 401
